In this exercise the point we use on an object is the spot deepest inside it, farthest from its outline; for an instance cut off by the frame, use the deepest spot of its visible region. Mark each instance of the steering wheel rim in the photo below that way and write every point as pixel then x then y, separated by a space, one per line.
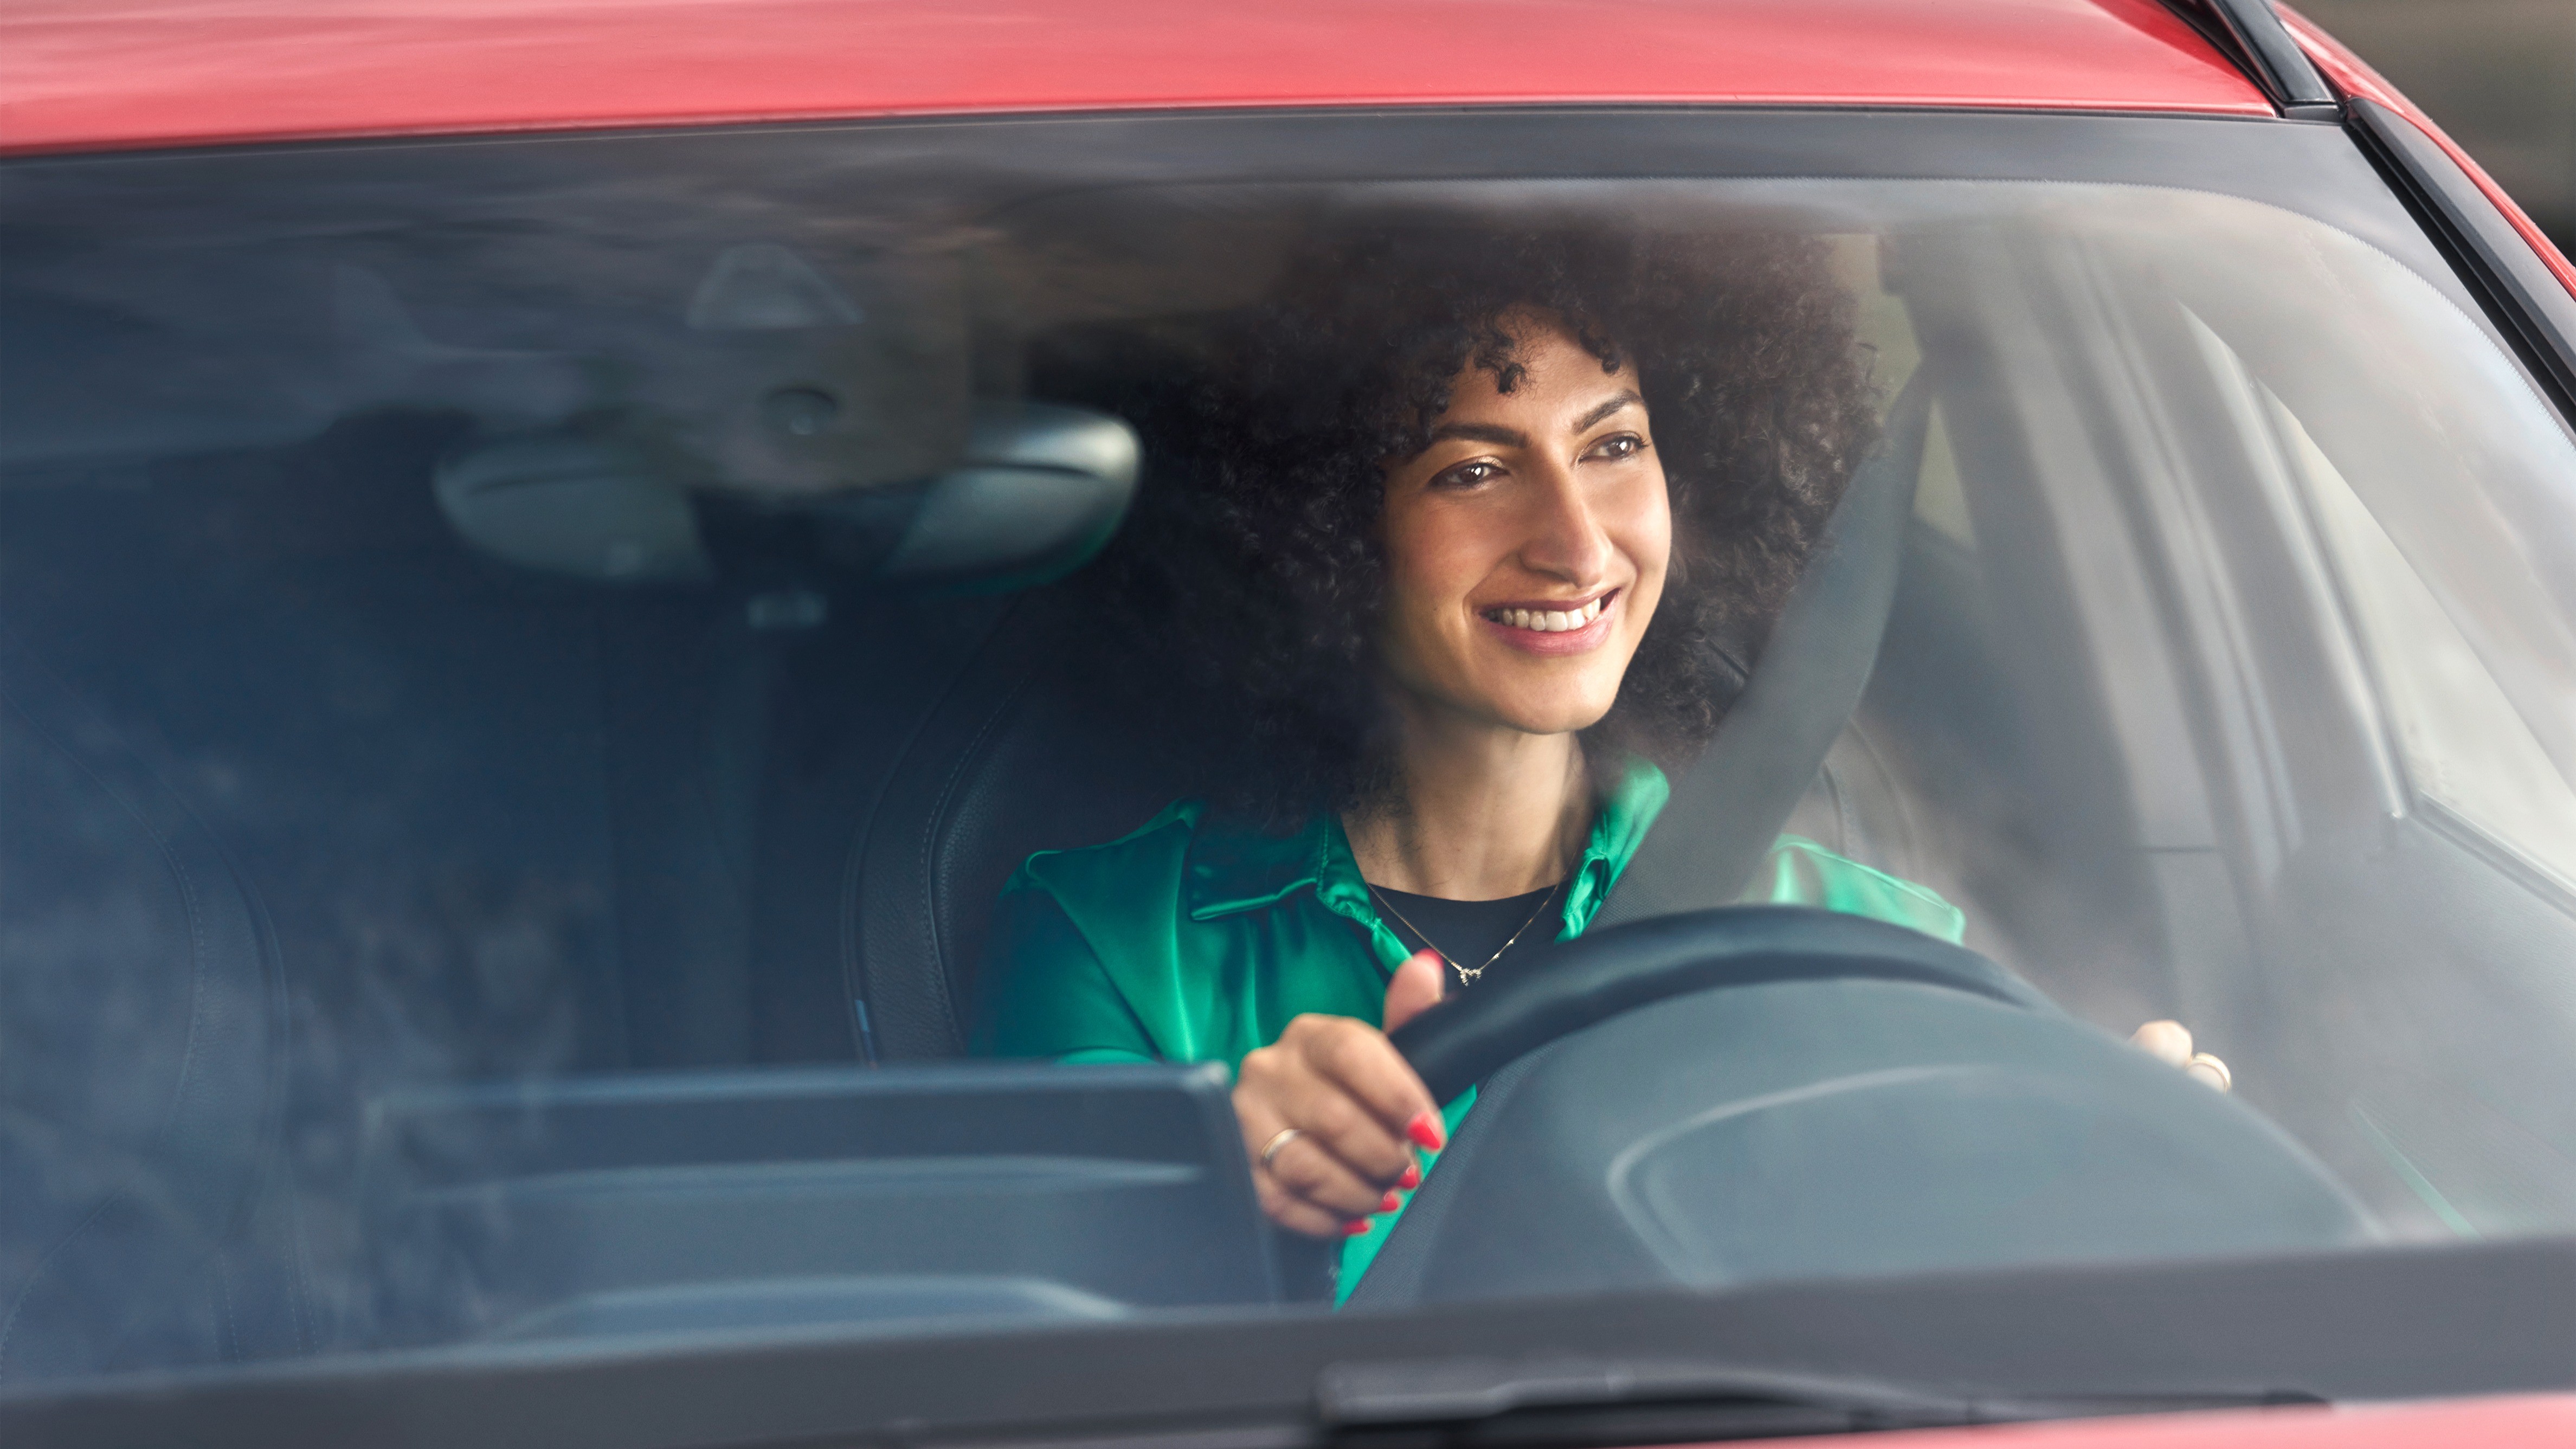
pixel 1528 1001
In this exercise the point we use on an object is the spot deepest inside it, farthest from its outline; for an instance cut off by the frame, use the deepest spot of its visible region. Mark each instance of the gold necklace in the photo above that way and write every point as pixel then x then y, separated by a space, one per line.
pixel 1466 974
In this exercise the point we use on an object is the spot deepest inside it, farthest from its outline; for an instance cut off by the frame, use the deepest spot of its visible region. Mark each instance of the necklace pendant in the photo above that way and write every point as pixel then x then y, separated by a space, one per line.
pixel 1467 974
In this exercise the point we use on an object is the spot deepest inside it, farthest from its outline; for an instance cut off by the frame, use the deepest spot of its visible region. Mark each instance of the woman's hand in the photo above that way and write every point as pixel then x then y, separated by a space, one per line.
pixel 2170 1042
pixel 1331 1114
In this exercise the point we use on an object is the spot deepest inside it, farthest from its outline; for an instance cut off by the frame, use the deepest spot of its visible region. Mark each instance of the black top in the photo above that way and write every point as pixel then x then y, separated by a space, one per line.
pixel 1468 931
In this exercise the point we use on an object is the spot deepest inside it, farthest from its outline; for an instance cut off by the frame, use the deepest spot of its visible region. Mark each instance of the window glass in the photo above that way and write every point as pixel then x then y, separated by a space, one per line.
pixel 2469 748
pixel 529 670
pixel 2466 746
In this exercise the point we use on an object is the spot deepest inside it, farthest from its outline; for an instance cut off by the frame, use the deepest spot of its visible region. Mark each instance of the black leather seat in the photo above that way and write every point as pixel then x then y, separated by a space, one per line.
pixel 142 1033
pixel 1003 766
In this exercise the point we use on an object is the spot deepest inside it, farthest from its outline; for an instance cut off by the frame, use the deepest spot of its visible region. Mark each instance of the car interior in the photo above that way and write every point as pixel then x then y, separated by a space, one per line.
pixel 408 786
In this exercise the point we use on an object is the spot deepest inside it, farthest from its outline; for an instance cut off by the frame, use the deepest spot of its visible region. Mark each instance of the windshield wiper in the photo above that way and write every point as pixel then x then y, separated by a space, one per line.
pixel 1539 1403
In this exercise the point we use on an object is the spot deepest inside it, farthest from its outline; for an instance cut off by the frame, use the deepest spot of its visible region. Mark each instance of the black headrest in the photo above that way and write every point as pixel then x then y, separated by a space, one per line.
pixel 1002 767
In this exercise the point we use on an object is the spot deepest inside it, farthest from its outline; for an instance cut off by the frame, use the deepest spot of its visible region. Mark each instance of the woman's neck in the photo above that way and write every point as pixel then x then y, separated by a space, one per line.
pixel 1478 812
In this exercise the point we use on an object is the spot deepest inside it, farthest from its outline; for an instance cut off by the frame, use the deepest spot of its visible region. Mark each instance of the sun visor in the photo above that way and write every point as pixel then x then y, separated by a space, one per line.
pixel 1036 491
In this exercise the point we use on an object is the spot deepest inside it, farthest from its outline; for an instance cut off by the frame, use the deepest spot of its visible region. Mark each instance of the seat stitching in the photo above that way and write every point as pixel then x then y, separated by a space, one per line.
pixel 856 978
pixel 938 816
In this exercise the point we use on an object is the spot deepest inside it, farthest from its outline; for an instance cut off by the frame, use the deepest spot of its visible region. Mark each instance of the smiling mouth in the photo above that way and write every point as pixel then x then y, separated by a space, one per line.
pixel 1550 621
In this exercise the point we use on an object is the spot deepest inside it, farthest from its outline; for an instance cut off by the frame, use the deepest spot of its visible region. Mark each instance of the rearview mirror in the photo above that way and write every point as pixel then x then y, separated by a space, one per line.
pixel 1039 489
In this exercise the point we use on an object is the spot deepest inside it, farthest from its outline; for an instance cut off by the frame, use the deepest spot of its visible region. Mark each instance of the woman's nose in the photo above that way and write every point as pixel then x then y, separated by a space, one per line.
pixel 1566 538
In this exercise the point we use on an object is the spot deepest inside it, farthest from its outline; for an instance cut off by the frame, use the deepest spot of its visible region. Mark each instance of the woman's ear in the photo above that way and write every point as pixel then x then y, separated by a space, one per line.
pixel 1414 989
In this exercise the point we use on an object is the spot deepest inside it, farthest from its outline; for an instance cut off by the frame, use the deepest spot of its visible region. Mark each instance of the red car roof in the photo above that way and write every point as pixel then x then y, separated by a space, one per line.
pixel 122 74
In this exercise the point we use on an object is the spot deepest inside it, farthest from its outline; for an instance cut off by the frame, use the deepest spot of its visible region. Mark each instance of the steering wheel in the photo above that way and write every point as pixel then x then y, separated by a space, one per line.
pixel 1769 1093
pixel 1528 1001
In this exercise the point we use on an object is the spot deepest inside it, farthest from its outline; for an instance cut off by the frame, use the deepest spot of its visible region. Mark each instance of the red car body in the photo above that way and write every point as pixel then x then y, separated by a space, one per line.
pixel 89 76
pixel 78 76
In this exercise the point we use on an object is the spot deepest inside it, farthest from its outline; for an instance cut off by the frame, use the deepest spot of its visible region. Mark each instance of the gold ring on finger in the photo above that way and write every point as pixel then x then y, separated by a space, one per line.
pixel 1279 1139
pixel 2211 1070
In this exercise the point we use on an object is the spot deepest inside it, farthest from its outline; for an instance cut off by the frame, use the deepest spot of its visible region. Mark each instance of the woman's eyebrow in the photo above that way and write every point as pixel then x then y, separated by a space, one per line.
pixel 1608 406
pixel 1515 438
pixel 1482 433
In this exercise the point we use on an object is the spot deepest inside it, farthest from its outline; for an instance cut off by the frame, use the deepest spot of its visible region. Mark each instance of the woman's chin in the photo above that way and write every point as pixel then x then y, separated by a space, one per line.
pixel 1554 715
pixel 1547 697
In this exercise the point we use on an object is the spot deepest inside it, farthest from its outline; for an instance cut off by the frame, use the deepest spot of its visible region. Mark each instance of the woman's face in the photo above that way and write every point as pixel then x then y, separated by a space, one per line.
pixel 1526 546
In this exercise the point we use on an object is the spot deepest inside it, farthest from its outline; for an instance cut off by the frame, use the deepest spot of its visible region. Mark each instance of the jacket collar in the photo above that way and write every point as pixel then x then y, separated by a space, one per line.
pixel 1232 870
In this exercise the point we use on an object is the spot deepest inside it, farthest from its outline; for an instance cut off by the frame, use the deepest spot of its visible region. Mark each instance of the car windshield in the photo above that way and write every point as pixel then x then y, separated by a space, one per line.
pixel 530 666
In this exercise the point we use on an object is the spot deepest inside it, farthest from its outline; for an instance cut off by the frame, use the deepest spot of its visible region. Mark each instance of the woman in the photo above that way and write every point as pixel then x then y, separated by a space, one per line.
pixel 1462 574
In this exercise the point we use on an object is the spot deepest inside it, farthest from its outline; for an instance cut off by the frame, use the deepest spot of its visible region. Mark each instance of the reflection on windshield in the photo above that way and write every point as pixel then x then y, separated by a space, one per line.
pixel 603 762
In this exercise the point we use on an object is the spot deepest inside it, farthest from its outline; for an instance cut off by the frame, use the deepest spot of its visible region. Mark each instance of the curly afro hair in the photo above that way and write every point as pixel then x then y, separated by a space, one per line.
pixel 1254 557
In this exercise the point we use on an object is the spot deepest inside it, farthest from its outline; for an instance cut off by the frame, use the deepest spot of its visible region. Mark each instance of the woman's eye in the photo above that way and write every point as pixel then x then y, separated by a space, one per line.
pixel 1623 445
pixel 1467 475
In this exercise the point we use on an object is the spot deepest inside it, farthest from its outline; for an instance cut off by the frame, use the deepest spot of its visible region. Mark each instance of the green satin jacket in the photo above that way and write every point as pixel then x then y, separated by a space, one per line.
pixel 1189 942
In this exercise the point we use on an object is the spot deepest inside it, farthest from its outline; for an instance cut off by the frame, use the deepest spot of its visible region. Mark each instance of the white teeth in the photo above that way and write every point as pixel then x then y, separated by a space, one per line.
pixel 1548 621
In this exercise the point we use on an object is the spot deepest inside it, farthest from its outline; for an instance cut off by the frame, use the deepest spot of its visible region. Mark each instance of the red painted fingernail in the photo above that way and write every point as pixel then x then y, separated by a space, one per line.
pixel 1412 1178
pixel 1390 1203
pixel 1425 1132
pixel 1354 1229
